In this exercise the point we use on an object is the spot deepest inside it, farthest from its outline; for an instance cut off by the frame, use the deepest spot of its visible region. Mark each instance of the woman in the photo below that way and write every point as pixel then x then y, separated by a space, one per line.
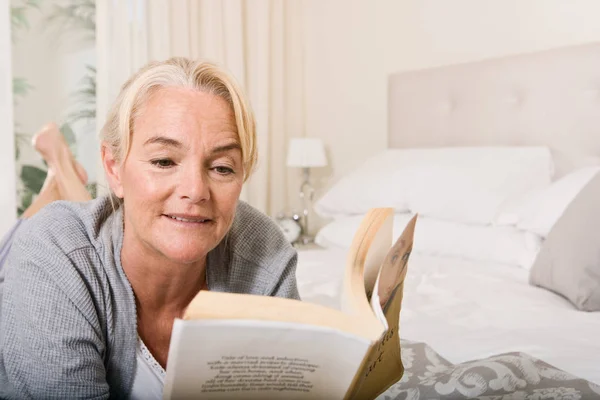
pixel 92 289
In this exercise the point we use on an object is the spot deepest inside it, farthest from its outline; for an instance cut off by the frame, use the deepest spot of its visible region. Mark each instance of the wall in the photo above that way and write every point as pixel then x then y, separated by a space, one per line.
pixel 353 45
pixel 8 208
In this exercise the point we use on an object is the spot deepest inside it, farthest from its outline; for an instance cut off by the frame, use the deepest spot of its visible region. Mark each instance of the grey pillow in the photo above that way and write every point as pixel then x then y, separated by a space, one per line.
pixel 569 260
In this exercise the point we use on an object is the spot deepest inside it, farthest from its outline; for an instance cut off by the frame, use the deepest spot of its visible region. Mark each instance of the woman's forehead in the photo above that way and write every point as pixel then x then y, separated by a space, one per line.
pixel 174 101
pixel 185 110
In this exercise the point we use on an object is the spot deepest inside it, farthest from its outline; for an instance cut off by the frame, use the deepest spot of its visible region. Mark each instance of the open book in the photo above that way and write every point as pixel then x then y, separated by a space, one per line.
pixel 238 346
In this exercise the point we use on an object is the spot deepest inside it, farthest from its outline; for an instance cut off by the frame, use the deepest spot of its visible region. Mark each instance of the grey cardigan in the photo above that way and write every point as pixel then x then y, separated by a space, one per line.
pixel 67 315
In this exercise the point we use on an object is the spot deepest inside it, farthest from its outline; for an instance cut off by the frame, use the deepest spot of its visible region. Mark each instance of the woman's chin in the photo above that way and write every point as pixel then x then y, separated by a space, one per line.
pixel 183 249
pixel 185 256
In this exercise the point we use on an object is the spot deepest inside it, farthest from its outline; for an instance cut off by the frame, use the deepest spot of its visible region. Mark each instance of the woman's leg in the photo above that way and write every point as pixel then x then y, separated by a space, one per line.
pixel 69 175
pixel 66 177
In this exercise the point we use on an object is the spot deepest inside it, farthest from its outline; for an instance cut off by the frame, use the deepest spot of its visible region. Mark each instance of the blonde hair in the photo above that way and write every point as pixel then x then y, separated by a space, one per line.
pixel 184 73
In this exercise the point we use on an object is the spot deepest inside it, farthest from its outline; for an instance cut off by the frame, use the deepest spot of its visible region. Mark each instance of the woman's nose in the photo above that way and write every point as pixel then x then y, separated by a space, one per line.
pixel 194 186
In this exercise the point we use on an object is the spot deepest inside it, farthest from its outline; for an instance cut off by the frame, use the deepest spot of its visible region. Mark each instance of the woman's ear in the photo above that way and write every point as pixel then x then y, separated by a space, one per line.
pixel 112 169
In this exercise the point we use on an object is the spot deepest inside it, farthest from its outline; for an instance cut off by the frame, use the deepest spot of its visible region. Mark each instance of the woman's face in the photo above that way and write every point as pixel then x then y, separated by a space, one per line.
pixel 182 177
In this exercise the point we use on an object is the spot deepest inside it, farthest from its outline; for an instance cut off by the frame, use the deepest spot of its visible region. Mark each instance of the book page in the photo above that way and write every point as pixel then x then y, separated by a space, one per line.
pixel 370 245
pixel 375 302
pixel 384 365
pixel 393 270
pixel 244 359
pixel 379 248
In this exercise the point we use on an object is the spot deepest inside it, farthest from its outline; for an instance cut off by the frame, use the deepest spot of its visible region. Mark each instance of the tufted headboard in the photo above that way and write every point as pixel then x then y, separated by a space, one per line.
pixel 548 98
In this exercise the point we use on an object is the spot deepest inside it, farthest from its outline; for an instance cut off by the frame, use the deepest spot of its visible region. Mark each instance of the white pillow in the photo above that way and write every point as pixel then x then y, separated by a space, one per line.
pixel 463 184
pixel 540 209
pixel 505 245
pixel 368 187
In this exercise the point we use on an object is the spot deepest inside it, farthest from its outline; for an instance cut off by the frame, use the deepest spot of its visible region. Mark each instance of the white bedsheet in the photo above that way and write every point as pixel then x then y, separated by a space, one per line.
pixel 466 310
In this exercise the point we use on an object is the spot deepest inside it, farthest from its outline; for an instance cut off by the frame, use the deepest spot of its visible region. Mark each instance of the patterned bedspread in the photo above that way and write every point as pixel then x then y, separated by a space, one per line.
pixel 509 376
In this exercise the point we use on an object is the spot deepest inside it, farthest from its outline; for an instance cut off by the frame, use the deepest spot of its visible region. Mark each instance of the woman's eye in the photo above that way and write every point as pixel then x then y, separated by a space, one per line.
pixel 163 163
pixel 224 170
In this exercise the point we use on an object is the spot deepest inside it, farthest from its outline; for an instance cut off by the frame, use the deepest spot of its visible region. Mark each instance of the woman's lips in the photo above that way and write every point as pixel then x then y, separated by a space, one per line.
pixel 187 218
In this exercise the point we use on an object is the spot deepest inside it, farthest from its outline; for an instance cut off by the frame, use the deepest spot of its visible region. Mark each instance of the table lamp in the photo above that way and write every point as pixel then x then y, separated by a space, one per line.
pixel 306 153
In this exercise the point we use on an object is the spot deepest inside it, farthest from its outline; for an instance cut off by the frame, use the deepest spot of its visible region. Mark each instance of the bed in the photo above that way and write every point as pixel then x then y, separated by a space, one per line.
pixel 503 300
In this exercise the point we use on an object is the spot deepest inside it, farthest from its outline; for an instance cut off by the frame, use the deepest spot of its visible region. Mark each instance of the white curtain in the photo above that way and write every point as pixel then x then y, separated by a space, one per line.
pixel 259 41
pixel 8 190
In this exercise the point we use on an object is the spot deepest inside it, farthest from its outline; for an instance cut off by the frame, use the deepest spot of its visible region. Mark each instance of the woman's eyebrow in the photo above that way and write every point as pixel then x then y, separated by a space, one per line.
pixel 165 141
pixel 227 147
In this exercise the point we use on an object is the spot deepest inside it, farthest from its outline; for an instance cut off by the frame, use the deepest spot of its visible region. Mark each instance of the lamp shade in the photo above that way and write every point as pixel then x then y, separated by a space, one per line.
pixel 306 152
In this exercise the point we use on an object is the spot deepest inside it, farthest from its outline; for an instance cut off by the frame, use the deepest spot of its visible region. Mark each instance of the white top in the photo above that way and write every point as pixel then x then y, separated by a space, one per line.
pixel 149 375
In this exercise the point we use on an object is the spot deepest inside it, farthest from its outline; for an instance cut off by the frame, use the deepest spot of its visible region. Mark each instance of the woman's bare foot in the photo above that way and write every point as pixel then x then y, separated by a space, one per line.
pixel 69 174
pixel 49 142
pixel 51 145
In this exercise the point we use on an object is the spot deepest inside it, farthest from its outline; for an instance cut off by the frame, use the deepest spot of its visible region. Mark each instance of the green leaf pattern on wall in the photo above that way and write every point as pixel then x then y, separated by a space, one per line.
pixel 18 14
pixel 33 178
